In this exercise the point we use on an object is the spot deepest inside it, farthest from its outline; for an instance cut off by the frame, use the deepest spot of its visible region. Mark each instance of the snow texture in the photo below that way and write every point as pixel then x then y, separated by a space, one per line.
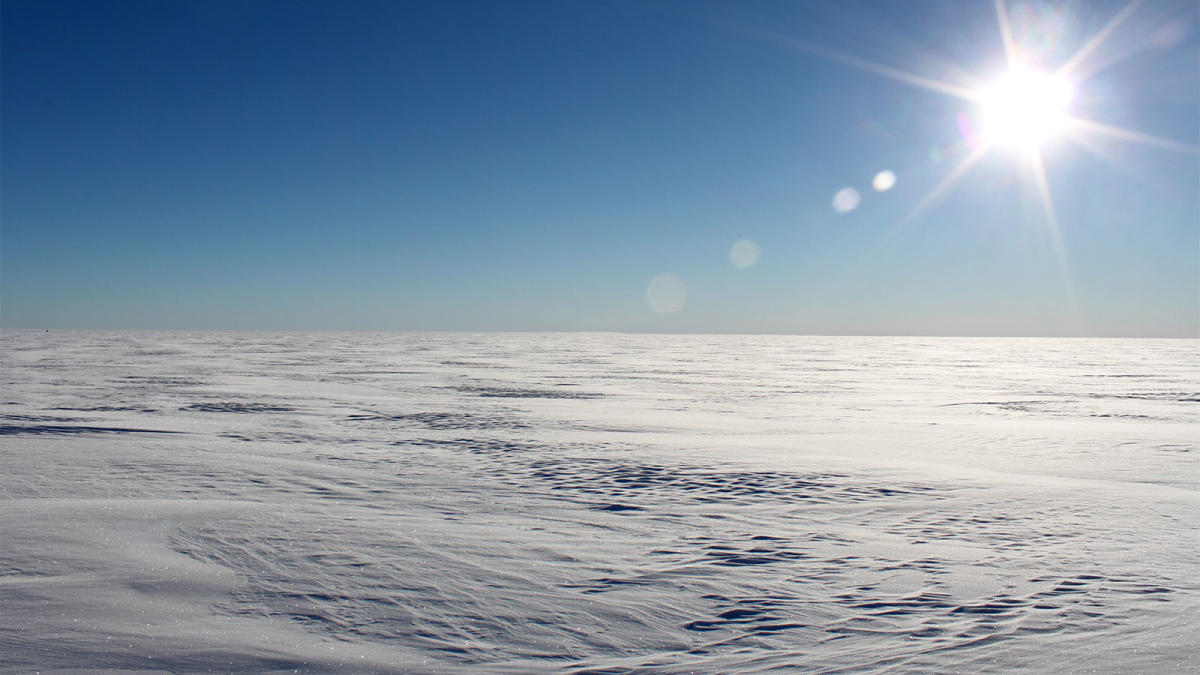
pixel 597 503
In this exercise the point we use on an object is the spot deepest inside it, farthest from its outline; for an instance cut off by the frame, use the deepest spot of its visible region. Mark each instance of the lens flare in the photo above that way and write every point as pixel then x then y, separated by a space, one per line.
pixel 883 181
pixel 744 253
pixel 846 200
pixel 666 294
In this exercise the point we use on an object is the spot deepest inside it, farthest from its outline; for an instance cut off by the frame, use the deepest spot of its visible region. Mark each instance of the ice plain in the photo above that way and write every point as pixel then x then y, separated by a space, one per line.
pixel 597 503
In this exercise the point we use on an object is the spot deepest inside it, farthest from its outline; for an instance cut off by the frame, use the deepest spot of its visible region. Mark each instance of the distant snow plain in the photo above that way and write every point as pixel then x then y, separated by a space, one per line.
pixel 597 503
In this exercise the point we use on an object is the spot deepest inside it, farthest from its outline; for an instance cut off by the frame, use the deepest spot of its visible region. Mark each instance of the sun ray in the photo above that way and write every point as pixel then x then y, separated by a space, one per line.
pixel 896 230
pixel 1040 88
pixel 1052 223
pixel 1139 175
pixel 1131 136
pixel 1089 144
pixel 948 181
pixel 928 83
pixel 1010 48
pixel 1098 39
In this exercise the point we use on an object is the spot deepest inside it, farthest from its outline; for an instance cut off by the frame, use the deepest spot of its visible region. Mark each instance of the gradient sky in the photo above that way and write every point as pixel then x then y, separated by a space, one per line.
pixel 535 165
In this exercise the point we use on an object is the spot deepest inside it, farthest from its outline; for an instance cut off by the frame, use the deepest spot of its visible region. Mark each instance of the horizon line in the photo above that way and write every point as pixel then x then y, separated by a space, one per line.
pixel 1073 336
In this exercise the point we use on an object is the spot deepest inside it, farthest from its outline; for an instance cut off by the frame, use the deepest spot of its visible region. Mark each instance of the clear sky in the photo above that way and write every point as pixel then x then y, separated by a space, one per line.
pixel 634 166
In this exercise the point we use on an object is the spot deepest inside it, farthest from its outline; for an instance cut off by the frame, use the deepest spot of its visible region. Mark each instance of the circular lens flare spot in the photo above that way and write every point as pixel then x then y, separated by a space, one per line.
pixel 666 294
pixel 846 200
pixel 883 181
pixel 1024 108
pixel 744 253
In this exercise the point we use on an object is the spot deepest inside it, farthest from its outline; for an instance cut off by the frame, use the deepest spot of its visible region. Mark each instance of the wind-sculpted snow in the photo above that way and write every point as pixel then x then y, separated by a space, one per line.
pixel 196 502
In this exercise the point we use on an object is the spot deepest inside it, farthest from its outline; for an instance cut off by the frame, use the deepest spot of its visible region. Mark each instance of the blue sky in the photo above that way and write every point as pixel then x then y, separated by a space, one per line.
pixel 534 166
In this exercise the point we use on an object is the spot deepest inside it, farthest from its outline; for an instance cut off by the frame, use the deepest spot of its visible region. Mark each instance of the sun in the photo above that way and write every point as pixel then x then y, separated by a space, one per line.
pixel 1024 108
pixel 1023 111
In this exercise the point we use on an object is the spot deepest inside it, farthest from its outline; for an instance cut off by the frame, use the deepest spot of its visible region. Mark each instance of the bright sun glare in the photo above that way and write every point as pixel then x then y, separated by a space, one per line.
pixel 1024 108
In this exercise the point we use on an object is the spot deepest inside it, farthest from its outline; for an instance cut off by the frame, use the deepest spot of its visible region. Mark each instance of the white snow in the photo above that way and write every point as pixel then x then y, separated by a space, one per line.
pixel 571 502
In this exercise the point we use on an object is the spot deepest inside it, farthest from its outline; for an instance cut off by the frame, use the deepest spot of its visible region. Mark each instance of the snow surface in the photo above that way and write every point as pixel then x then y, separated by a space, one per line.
pixel 597 503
